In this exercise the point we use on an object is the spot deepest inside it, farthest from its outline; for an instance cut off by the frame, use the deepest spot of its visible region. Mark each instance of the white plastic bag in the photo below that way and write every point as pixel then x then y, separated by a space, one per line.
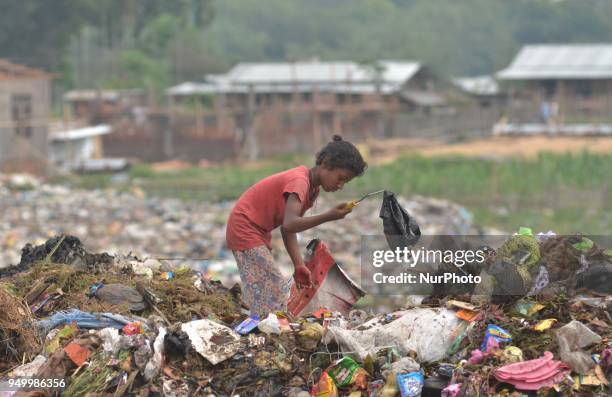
pixel 30 369
pixel 428 332
pixel 111 339
pixel 154 365
pixel 572 337
pixel 270 325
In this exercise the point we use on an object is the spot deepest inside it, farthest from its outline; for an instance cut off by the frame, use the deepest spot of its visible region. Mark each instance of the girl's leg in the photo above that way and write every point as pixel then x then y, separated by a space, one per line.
pixel 264 288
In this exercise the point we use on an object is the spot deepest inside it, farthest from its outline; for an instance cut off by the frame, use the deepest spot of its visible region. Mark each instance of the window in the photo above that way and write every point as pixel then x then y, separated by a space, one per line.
pixel 584 90
pixel 21 106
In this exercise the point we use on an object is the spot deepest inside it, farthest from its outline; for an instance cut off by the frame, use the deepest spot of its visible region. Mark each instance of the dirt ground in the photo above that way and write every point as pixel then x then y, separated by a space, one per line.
pixel 378 152
pixel 495 147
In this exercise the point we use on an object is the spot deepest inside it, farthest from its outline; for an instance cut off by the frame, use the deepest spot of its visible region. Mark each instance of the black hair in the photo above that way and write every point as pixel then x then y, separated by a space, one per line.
pixel 342 154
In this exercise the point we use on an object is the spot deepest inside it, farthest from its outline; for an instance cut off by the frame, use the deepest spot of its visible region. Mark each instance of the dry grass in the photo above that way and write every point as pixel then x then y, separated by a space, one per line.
pixel 18 338
pixel 180 301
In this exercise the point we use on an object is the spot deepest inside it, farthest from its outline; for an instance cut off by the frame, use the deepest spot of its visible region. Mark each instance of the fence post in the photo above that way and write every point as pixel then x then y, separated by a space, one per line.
pixel 251 128
pixel 494 185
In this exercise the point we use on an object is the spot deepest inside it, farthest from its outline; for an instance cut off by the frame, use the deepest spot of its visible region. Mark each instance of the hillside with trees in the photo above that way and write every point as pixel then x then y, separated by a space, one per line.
pixel 155 43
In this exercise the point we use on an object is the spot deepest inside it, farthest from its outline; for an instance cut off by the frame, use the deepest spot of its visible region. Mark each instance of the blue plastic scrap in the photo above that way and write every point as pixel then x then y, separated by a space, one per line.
pixel 86 320
pixel 497 333
pixel 411 384
pixel 247 325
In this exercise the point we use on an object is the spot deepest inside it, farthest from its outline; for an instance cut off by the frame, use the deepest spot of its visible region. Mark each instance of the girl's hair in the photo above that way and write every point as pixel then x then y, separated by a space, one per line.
pixel 342 154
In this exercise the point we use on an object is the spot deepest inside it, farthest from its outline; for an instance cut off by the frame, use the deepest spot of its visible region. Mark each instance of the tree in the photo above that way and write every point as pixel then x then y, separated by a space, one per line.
pixel 35 32
pixel 125 36
pixel 188 38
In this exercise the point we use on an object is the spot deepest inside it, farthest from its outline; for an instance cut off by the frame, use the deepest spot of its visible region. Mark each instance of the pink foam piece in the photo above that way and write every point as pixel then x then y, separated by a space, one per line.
pixel 533 374
pixel 452 390
pixel 476 357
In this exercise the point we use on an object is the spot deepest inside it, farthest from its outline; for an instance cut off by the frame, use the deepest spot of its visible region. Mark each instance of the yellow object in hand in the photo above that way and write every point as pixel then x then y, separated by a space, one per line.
pixel 351 204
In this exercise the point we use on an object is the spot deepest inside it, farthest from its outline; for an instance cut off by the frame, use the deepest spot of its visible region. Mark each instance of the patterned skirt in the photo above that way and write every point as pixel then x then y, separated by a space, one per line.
pixel 264 289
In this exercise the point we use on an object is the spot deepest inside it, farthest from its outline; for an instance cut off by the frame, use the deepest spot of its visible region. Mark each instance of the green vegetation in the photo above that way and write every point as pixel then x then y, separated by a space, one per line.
pixel 151 43
pixel 566 193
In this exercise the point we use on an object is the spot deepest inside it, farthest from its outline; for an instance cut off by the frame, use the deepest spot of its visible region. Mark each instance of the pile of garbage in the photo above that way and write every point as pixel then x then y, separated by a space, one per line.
pixel 166 229
pixel 83 324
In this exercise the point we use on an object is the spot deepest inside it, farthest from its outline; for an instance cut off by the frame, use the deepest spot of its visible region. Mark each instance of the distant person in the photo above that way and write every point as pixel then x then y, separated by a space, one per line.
pixel 545 111
pixel 281 200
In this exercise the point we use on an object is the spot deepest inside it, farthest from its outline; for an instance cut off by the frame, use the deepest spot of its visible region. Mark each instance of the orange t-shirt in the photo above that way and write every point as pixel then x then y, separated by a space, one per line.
pixel 261 208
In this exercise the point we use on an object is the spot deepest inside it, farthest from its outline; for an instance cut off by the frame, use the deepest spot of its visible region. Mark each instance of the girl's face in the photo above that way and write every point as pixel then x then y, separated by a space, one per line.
pixel 334 179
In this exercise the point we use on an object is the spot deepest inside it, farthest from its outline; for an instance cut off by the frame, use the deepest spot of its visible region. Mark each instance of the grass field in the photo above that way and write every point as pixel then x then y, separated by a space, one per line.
pixel 563 192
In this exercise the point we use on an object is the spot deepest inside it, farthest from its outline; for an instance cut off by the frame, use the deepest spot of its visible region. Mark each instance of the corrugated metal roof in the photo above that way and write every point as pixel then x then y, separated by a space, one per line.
pixel 99 165
pixel 399 71
pixel 424 98
pixel 317 72
pixel 79 133
pixel 10 71
pixel 576 61
pixel 479 85
pixel 191 88
pixel 91 95
pixel 345 77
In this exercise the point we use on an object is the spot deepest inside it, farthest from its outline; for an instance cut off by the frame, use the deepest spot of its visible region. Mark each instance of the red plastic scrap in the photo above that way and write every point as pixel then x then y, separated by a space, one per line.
pixel 322 312
pixel 77 353
pixel 332 288
pixel 133 329
pixel 319 264
pixel 467 315
pixel 533 374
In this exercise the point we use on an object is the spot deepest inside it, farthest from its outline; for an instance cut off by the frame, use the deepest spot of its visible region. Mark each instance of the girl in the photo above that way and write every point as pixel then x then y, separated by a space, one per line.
pixel 281 200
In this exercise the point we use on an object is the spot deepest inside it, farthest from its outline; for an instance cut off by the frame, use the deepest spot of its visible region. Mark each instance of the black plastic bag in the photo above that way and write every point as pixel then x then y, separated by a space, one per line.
pixel 116 294
pixel 399 227
pixel 597 278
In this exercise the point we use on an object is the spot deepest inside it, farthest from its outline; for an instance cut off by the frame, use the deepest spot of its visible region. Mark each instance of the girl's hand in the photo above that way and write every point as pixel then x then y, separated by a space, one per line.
pixel 338 212
pixel 302 277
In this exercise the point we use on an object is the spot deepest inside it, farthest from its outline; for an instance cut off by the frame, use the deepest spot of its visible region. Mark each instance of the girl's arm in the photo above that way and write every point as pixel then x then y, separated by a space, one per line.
pixel 301 274
pixel 291 244
pixel 294 223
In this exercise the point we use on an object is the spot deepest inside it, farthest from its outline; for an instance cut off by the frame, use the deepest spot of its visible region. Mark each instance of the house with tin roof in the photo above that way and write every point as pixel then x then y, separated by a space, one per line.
pixel 332 83
pixel 574 80
pixel 276 107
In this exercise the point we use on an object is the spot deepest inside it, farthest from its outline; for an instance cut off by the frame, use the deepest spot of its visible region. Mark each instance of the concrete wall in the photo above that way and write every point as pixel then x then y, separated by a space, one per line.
pixel 16 151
